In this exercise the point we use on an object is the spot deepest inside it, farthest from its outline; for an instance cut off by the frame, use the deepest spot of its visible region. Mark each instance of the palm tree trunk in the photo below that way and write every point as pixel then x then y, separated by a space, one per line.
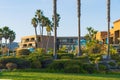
pixel 108 24
pixel 5 42
pixel 55 28
pixel 36 40
pixel 42 38
pixel 79 32
pixel 47 45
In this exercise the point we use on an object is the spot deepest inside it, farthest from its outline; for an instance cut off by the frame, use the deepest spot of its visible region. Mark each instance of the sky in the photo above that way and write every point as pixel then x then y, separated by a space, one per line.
pixel 17 15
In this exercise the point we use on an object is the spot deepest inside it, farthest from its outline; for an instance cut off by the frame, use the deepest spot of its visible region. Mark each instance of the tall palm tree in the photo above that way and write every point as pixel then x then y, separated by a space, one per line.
pixel 108 24
pixel 12 36
pixel 39 15
pixel 1 36
pixel 79 32
pixel 34 22
pixel 57 19
pixel 48 29
pixel 55 28
pixel 6 31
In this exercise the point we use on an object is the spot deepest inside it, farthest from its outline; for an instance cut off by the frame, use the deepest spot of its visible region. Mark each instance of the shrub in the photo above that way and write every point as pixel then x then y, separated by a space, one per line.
pixel 83 59
pixel 46 60
pixel 1 66
pixel 72 69
pixel 66 64
pixel 11 66
pixel 118 65
pixel 59 56
pixel 112 63
pixel 21 63
pixel 36 64
pixel 65 57
pixel 57 65
pixel 102 67
pixel 40 51
pixel 23 52
pixel 90 68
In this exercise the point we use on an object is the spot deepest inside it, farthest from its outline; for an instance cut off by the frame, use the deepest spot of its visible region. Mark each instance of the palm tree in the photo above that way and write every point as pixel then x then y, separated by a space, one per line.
pixel 34 22
pixel 57 19
pixel 55 28
pixel 12 36
pixel 108 24
pixel 39 15
pixel 1 36
pixel 6 31
pixel 48 29
pixel 79 32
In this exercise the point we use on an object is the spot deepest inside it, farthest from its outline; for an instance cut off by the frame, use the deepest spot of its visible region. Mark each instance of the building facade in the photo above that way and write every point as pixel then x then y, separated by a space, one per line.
pixel 114 34
pixel 48 42
pixel 30 42
pixel 69 42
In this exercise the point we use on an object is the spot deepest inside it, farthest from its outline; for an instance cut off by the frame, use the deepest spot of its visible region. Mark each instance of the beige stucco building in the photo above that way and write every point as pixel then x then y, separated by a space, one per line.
pixel 114 34
pixel 43 42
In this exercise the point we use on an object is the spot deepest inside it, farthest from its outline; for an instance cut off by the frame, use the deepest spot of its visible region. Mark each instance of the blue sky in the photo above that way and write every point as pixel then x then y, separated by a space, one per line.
pixel 17 15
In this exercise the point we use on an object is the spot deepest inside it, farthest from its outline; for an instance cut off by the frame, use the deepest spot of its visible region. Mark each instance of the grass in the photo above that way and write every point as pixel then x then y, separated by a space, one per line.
pixel 56 76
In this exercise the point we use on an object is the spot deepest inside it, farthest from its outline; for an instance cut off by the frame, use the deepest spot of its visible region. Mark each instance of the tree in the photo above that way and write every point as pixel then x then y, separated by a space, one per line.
pixel 6 32
pixel 91 34
pixel 57 19
pixel 79 14
pixel 39 16
pixel 12 36
pixel 1 36
pixel 34 22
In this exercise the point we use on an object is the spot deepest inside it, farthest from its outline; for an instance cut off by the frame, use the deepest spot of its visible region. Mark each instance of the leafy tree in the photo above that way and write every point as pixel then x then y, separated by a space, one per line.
pixel 91 34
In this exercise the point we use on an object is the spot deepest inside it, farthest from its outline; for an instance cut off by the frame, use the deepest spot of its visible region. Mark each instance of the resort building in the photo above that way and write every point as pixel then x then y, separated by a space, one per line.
pixel 30 42
pixel 69 42
pixel 48 42
pixel 114 34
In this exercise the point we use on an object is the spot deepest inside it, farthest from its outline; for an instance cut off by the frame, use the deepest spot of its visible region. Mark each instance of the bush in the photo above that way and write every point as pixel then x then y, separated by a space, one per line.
pixel 11 66
pixel 40 51
pixel 1 66
pixel 45 61
pixel 83 59
pixel 23 52
pixel 90 68
pixel 65 57
pixel 57 65
pixel 21 63
pixel 36 64
pixel 72 69
pixel 68 66
pixel 102 67
pixel 118 65
pixel 112 63
pixel 59 56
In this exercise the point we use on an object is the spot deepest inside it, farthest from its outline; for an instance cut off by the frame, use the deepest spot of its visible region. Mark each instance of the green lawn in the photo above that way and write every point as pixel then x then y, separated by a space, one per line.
pixel 56 76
